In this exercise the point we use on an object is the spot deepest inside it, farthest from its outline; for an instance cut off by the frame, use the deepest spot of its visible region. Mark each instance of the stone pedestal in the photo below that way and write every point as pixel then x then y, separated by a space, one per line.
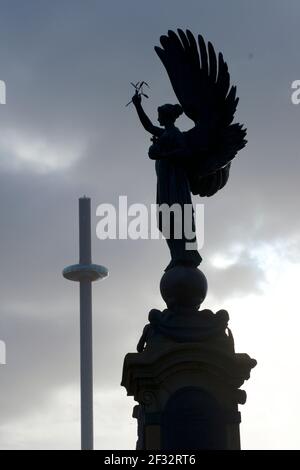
pixel 186 376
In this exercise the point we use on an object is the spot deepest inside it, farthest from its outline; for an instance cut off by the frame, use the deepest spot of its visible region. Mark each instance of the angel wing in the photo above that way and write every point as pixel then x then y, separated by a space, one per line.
pixel 201 83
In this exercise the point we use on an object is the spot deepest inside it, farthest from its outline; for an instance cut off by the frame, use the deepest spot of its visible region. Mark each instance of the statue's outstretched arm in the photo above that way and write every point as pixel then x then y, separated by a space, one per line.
pixel 145 121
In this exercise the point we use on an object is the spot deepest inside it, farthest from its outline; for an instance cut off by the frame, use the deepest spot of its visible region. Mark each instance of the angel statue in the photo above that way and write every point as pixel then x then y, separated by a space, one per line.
pixel 197 161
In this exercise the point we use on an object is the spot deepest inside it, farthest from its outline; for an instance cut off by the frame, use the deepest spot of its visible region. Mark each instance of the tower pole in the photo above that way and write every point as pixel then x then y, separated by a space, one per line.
pixel 86 328
pixel 85 273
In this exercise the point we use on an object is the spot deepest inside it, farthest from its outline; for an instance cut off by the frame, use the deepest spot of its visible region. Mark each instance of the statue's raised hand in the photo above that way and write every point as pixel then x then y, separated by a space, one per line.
pixel 136 99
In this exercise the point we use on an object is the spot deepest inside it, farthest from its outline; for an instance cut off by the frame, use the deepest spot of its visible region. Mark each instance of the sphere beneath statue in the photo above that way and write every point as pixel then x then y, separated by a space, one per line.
pixel 183 286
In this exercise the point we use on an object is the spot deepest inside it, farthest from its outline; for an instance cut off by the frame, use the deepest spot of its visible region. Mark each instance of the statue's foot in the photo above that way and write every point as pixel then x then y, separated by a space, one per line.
pixel 171 265
pixel 192 259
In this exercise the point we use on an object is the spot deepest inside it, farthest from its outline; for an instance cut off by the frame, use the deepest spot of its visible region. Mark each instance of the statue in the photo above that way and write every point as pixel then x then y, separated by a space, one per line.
pixel 186 375
pixel 197 161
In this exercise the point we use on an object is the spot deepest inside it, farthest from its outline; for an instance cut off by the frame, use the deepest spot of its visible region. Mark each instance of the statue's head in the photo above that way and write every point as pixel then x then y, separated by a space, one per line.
pixel 168 113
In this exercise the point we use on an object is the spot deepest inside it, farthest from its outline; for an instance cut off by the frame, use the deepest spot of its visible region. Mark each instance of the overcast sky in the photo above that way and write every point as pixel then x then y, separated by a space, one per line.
pixel 65 132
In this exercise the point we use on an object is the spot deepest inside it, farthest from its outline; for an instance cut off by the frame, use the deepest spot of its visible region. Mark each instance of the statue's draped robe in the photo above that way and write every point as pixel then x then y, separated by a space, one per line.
pixel 173 188
pixel 172 182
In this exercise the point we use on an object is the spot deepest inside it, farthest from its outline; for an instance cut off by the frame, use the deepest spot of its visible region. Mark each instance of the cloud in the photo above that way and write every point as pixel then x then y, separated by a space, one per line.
pixel 35 153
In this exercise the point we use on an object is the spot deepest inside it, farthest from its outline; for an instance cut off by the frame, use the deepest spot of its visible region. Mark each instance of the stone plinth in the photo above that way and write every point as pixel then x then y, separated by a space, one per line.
pixel 188 393
pixel 186 376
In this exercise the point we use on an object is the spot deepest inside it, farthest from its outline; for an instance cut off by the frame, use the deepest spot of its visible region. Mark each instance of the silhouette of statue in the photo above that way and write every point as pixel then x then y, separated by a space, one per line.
pixel 197 161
